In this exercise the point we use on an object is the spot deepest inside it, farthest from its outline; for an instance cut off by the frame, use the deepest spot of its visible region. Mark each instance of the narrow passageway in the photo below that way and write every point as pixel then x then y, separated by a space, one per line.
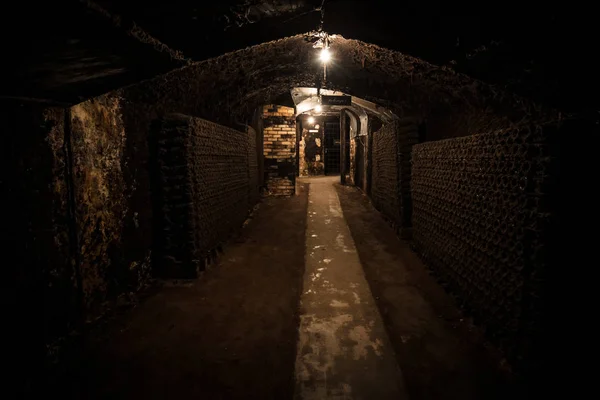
pixel 343 350
pixel 286 200
pixel 315 299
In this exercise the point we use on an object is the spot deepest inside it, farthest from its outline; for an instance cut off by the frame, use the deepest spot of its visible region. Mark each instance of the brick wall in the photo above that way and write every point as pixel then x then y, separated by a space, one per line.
pixel 391 171
pixel 205 185
pixel 480 221
pixel 279 147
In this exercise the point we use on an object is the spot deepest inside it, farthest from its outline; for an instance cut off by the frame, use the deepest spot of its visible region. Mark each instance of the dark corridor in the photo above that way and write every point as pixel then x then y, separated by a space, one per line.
pixel 170 172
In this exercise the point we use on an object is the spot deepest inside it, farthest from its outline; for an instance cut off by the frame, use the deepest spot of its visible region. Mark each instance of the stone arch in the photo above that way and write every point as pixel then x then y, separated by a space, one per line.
pixel 228 88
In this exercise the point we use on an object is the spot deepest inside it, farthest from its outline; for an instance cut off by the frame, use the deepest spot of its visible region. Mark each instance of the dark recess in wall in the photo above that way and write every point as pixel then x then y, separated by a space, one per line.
pixel 39 302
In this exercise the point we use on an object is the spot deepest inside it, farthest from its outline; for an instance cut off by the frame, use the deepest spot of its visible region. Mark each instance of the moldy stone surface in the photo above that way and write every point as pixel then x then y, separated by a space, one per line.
pixel 98 142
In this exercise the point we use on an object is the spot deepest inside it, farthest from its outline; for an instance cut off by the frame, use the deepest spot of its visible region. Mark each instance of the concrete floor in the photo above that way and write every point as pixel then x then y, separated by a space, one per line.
pixel 343 350
pixel 316 299
pixel 441 353
pixel 231 334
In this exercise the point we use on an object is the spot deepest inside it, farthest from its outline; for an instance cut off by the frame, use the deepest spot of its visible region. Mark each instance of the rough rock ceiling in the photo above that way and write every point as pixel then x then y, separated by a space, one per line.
pixel 546 53
pixel 234 84
pixel 62 52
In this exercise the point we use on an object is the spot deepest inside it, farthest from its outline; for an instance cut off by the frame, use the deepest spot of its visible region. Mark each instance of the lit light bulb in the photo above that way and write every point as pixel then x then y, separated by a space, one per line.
pixel 311 120
pixel 325 55
pixel 318 108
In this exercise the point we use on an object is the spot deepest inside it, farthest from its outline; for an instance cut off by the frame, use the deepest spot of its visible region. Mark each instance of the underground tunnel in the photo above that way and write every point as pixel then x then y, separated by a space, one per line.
pixel 283 199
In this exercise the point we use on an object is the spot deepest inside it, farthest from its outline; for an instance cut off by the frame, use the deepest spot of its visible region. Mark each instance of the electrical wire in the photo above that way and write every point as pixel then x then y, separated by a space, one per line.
pixel 322 9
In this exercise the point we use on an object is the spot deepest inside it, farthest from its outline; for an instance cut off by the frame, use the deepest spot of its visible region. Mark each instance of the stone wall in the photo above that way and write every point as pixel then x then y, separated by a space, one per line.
pixel 113 212
pixel 68 198
pixel 311 149
pixel 68 193
pixel 279 147
pixel 205 189
pixel 78 184
pixel 480 219
pixel 102 207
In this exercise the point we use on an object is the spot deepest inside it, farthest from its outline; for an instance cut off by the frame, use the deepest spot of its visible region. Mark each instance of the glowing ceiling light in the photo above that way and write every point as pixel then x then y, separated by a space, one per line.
pixel 325 55
pixel 311 120
pixel 318 108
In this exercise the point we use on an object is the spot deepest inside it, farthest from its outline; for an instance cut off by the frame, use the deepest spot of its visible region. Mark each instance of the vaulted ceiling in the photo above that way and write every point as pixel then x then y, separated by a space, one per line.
pixel 548 55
